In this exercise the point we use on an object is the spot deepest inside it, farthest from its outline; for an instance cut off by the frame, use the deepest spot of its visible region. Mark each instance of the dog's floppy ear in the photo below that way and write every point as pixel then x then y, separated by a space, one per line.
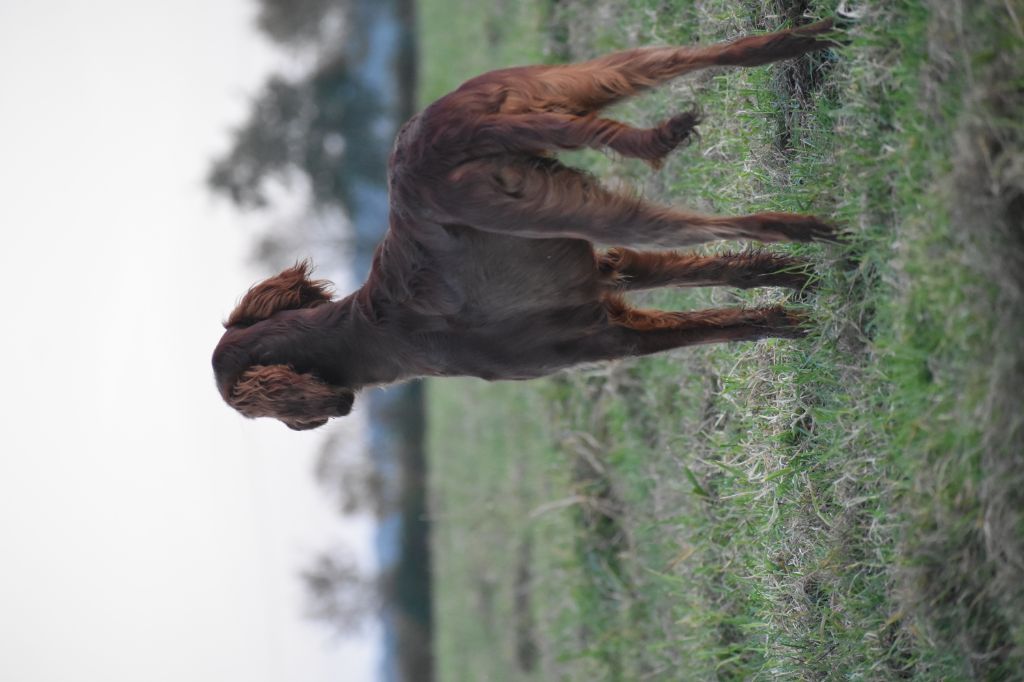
pixel 301 400
pixel 290 290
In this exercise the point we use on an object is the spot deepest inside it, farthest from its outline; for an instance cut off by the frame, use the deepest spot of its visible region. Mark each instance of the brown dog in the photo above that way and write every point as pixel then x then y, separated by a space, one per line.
pixel 488 267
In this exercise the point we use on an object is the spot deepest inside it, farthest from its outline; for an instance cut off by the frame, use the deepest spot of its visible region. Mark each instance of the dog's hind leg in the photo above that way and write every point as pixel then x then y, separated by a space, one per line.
pixel 538 133
pixel 587 87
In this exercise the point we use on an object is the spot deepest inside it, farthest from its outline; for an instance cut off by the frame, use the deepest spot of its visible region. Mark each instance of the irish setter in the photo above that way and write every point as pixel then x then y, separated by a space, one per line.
pixel 488 268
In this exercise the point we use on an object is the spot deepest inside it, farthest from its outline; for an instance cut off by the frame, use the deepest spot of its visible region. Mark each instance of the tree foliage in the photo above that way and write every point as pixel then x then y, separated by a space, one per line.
pixel 330 125
pixel 352 478
pixel 338 593
pixel 323 127
pixel 298 23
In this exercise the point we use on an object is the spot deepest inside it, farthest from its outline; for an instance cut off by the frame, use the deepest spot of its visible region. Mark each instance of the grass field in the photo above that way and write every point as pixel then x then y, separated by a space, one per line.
pixel 847 506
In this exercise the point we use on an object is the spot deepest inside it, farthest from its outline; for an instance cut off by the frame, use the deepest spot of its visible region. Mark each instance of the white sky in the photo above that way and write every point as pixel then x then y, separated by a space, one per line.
pixel 147 532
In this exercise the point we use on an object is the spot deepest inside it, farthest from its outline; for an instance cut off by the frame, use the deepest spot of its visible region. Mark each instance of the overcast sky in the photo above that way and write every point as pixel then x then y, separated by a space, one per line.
pixel 148 532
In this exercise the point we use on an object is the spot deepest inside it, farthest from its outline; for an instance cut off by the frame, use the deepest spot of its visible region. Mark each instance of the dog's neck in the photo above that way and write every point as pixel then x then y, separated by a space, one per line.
pixel 358 349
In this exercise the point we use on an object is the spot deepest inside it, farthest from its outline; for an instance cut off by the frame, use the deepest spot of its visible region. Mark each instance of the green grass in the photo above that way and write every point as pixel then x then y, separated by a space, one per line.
pixel 848 506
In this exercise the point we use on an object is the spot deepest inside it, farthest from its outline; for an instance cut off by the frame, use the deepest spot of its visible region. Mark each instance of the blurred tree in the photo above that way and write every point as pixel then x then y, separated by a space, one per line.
pixel 323 127
pixel 349 475
pixel 320 28
pixel 298 23
pixel 338 593
pixel 326 126
pixel 267 146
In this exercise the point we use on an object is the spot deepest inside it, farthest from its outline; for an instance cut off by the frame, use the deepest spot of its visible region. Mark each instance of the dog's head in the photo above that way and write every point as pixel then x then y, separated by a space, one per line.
pixel 300 399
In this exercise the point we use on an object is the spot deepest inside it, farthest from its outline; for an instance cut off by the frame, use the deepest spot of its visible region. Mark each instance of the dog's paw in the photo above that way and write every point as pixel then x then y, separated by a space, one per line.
pixel 677 131
pixel 682 128
pixel 786 323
